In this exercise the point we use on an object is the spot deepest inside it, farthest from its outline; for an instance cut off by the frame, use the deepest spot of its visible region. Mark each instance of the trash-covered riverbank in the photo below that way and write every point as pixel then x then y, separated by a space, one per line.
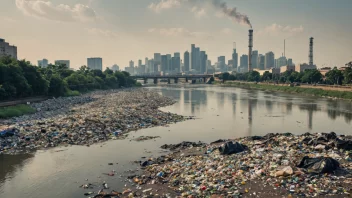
pixel 275 165
pixel 85 120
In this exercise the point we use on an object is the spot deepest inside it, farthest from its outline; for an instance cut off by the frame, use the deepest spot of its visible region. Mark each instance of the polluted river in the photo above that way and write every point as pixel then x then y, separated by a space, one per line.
pixel 187 113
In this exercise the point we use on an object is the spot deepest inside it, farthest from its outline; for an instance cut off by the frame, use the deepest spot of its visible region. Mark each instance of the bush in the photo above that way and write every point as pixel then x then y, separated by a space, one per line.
pixel 72 93
pixel 14 111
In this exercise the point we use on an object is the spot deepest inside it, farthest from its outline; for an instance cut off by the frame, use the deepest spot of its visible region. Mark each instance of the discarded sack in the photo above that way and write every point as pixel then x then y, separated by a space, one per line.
pixel 319 165
pixel 229 148
pixel 344 144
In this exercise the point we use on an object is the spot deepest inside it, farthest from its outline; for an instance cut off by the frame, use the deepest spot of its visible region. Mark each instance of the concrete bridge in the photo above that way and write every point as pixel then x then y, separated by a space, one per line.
pixel 204 77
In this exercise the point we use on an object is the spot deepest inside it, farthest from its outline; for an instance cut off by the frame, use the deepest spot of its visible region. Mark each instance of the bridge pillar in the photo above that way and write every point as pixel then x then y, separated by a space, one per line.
pixel 155 80
pixel 186 80
pixel 145 80
pixel 204 80
pixel 176 80
pixel 168 81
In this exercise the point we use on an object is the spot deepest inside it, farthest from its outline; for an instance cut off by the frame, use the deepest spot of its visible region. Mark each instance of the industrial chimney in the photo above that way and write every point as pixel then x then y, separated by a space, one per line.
pixel 311 51
pixel 250 46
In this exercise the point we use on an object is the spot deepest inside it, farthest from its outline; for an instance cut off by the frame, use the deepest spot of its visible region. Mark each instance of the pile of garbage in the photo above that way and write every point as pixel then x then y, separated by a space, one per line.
pixel 85 120
pixel 281 165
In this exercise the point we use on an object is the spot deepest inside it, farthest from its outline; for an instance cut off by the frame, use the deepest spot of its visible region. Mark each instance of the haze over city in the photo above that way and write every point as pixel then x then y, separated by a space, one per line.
pixel 120 31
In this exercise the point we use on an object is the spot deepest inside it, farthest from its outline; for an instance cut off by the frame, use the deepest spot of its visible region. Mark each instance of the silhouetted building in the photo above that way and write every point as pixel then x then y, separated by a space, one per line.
pixel 234 60
pixel 7 50
pixel 186 61
pixel 269 60
pixel 221 63
pixel 244 63
pixel 164 63
pixel 203 62
pixel 63 62
pixel 115 68
pixel 95 63
pixel 261 62
pixel 43 63
pixel 255 59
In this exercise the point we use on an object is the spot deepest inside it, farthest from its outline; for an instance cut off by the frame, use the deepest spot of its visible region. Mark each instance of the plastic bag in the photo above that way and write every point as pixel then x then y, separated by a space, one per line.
pixel 319 165
pixel 229 148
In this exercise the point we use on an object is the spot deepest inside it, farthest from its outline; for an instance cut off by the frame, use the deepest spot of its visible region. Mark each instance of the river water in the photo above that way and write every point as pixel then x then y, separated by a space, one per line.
pixel 221 112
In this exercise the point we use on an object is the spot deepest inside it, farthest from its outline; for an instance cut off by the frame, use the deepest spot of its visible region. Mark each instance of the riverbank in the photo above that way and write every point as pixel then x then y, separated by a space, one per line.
pixel 274 165
pixel 295 90
pixel 85 120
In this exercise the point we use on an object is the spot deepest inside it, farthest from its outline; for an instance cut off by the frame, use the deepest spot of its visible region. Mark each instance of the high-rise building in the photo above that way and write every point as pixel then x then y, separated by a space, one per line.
pixel 244 61
pixel 234 59
pixel 115 68
pixel 146 61
pixel 269 60
pixel 221 63
pixel 95 63
pixel 203 62
pixel 139 63
pixel 164 63
pixel 131 64
pixel 255 59
pixel 193 56
pixel 43 63
pixel 261 61
pixel 169 62
pixel 289 62
pixel 282 61
pixel 208 63
pixel 7 50
pixel 198 59
pixel 186 61
pixel 176 64
pixel 63 62
pixel 157 58
pixel 177 54
pixel 150 66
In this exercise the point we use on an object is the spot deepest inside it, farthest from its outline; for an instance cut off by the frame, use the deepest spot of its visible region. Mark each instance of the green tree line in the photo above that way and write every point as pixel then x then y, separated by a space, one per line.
pixel 19 78
pixel 312 76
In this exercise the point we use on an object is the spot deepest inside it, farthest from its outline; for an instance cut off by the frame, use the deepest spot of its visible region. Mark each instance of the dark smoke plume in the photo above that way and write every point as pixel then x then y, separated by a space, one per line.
pixel 232 12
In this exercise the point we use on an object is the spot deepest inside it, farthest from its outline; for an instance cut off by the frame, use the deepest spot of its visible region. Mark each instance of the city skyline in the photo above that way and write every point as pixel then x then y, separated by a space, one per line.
pixel 91 28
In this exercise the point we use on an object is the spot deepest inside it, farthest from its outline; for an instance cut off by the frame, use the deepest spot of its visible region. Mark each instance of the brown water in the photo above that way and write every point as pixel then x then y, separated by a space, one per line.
pixel 221 112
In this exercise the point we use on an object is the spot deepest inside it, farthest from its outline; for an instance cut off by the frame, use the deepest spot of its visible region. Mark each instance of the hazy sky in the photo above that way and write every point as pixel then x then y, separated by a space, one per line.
pixel 124 30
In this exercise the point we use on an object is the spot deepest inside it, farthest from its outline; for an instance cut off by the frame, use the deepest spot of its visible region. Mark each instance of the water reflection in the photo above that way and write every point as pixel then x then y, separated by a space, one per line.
pixel 10 164
pixel 260 109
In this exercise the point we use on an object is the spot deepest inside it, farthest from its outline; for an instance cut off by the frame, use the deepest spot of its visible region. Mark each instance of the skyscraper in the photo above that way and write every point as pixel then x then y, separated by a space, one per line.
pixel 269 60
pixel 289 62
pixel 193 56
pixel 164 63
pixel 177 54
pixel 261 61
pixel 139 63
pixel 197 51
pixel 43 63
pixel 244 61
pixel 95 63
pixel 234 59
pixel 157 58
pixel 255 59
pixel 186 61
pixel 131 64
pixel 282 61
pixel 203 62
pixel 169 63
pixel 221 63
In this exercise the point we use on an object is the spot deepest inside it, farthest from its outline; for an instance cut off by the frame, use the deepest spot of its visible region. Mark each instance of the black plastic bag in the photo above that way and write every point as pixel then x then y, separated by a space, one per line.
pixel 319 165
pixel 229 148
pixel 344 144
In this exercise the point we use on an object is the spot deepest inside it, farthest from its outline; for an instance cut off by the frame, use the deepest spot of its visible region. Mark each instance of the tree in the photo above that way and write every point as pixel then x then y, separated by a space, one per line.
pixel 253 76
pixel 267 76
pixel 347 74
pixel 311 76
pixel 224 76
pixel 57 86
pixel 334 76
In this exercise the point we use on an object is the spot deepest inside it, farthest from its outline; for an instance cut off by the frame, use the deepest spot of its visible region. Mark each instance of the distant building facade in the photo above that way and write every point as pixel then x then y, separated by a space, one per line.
pixel 269 60
pixel 186 61
pixel 63 62
pixel 304 66
pixel 261 62
pixel 7 50
pixel 43 63
pixel 115 68
pixel 255 59
pixel 95 63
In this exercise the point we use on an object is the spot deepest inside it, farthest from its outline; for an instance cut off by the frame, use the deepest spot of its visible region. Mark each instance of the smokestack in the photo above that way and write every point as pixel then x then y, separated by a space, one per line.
pixel 250 46
pixel 311 51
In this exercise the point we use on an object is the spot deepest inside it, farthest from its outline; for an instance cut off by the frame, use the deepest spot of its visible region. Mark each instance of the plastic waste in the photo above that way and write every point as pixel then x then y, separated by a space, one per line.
pixel 230 148
pixel 319 165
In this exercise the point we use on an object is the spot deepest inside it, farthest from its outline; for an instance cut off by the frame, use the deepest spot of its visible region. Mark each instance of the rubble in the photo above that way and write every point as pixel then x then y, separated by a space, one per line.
pixel 84 120
pixel 279 165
